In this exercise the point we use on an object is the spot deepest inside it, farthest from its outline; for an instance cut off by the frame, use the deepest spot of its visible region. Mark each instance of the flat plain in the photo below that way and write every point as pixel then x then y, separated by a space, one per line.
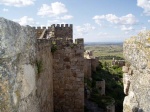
pixel 106 51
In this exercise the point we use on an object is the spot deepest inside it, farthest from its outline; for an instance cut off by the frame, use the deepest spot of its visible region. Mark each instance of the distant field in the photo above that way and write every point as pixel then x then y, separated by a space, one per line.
pixel 106 51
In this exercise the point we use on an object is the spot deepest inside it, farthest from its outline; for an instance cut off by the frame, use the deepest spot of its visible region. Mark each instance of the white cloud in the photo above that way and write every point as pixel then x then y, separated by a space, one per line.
pixel 49 22
pixel 102 34
pixel 25 20
pixel 17 3
pixel 124 28
pixel 65 17
pixel 149 21
pixel 5 10
pixel 53 10
pixel 84 30
pixel 145 4
pixel 124 20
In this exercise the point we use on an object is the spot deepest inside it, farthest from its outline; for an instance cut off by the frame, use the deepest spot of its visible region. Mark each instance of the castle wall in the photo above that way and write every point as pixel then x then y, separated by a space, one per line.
pixel 87 68
pixel 68 77
pixel 44 63
pixel 94 63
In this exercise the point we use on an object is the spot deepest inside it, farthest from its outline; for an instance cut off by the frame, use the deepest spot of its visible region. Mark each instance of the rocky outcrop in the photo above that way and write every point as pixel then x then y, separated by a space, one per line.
pixel 26 83
pixel 17 69
pixel 137 73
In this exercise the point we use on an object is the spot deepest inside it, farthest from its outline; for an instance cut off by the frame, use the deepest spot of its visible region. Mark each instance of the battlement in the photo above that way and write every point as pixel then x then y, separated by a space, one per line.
pixel 54 26
pixel 39 28
pixel 63 31
pixel 62 25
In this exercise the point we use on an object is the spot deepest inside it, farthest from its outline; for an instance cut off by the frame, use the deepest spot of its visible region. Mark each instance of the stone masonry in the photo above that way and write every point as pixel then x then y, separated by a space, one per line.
pixel 68 68
pixel 69 78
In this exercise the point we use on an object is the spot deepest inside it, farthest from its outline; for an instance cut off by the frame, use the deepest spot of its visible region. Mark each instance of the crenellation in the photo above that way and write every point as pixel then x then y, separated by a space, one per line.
pixel 58 25
pixel 39 28
pixel 53 25
pixel 44 27
pixel 66 25
pixel 71 25
pixel 62 25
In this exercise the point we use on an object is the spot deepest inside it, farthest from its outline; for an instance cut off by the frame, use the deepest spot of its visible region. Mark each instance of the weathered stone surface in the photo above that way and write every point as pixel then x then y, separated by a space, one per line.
pixel 17 56
pixel 137 53
pixel 26 81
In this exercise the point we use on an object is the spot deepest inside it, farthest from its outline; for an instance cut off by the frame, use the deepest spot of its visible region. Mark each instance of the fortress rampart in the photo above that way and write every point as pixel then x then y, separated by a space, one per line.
pixel 41 69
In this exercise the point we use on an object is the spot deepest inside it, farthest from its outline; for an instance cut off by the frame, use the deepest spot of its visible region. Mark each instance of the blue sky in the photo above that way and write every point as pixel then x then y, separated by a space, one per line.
pixel 93 20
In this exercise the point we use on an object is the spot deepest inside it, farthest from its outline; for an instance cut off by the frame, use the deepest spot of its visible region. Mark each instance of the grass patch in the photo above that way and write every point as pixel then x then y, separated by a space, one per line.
pixel 39 66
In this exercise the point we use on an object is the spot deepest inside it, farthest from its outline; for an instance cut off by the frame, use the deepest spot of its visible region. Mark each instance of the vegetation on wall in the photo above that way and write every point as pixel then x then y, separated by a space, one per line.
pixel 39 66
pixel 53 48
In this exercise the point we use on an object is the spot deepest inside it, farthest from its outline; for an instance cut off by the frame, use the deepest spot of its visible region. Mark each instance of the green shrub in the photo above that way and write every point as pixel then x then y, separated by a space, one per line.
pixel 113 87
pixel 53 48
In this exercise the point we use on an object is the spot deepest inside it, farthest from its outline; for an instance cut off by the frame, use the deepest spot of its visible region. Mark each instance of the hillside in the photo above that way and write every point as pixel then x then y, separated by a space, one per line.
pixel 111 74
